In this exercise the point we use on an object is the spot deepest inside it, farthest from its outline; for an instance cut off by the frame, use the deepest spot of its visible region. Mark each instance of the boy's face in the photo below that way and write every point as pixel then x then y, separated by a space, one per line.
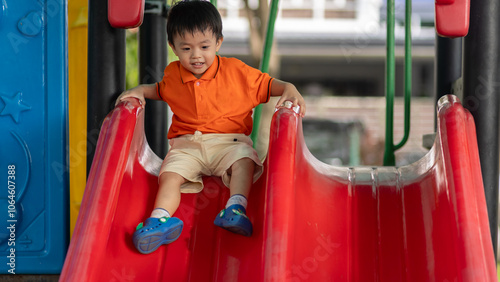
pixel 196 51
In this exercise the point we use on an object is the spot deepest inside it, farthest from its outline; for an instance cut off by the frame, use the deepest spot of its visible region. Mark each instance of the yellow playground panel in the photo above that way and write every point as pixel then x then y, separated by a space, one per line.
pixel 77 57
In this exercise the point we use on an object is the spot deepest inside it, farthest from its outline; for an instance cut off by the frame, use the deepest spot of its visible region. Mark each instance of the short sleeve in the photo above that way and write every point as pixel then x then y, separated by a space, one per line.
pixel 161 87
pixel 158 87
pixel 259 84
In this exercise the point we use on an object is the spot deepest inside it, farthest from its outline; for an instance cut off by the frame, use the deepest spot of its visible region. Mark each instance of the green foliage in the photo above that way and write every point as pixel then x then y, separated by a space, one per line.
pixel 171 56
pixel 132 59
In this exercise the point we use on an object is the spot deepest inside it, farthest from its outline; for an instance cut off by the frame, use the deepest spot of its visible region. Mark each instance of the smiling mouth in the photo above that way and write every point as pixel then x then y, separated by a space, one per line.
pixel 197 65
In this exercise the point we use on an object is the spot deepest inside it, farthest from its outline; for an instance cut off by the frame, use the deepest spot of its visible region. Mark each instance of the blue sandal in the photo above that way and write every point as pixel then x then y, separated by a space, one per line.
pixel 234 219
pixel 154 232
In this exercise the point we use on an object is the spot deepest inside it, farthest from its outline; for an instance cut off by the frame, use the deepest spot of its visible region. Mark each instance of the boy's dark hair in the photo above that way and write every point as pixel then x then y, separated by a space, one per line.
pixel 192 16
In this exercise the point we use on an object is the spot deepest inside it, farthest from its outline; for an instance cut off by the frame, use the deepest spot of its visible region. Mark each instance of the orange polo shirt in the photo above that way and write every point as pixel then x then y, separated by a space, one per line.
pixel 221 101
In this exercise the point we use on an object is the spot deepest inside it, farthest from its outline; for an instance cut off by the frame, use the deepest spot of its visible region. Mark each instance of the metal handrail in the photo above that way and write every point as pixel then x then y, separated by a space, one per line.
pixel 264 63
pixel 390 148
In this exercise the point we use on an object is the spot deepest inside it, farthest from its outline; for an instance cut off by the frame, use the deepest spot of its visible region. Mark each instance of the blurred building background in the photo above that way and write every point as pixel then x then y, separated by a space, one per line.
pixel 334 52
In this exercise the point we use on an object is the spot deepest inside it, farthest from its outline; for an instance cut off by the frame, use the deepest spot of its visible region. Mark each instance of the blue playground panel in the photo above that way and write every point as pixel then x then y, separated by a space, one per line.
pixel 33 120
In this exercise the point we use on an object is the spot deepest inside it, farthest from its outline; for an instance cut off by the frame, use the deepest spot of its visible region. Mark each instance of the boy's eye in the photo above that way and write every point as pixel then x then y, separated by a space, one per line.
pixel 185 49
pixel 205 47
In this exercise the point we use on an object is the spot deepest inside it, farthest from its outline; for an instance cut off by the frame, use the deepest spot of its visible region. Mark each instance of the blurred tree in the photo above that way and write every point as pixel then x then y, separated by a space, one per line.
pixel 257 21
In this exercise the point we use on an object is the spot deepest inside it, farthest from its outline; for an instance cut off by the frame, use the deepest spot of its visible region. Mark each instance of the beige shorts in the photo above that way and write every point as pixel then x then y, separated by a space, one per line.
pixel 195 155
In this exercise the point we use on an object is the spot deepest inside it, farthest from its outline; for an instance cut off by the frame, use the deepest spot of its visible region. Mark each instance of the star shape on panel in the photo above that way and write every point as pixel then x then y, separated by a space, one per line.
pixel 14 106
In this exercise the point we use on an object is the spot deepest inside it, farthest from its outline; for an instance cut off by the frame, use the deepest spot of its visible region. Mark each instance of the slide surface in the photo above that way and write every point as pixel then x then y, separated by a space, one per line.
pixel 312 222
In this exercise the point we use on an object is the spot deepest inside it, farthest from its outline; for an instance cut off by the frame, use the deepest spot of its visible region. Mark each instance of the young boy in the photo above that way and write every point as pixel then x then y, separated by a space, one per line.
pixel 212 99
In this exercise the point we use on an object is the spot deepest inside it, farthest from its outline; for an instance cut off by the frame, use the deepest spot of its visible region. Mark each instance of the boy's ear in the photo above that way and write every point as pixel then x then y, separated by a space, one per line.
pixel 219 43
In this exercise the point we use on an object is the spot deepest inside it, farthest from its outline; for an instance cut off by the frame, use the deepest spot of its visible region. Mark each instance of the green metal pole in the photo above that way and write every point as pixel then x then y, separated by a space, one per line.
pixel 408 67
pixel 389 157
pixel 268 44
pixel 390 74
pixel 264 63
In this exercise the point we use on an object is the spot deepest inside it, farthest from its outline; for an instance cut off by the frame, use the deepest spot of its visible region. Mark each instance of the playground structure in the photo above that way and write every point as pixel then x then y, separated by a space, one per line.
pixel 312 221
pixel 33 150
pixel 276 250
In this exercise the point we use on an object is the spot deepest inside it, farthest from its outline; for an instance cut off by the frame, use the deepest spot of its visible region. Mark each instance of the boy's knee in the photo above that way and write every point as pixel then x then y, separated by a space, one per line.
pixel 244 164
pixel 169 176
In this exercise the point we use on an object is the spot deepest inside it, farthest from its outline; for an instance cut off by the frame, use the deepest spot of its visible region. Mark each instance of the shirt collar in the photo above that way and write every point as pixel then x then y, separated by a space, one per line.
pixel 210 73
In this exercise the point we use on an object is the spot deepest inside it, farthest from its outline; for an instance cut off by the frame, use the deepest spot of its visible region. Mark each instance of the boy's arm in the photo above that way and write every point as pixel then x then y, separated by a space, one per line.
pixel 288 92
pixel 140 92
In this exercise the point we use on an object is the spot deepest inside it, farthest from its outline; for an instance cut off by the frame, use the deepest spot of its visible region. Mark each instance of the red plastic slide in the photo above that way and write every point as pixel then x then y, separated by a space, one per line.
pixel 312 222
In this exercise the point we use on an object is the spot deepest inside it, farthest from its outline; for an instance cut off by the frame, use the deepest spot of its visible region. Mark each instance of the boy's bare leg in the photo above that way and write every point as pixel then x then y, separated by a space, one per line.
pixel 241 177
pixel 158 230
pixel 235 219
pixel 169 191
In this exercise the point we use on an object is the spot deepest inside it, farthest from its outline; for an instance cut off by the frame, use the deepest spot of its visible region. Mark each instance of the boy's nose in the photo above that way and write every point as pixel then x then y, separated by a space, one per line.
pixel 196 54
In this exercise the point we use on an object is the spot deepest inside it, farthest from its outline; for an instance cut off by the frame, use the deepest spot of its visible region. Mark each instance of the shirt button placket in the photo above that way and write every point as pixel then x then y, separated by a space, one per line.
pixel 199 95
pixel 197 90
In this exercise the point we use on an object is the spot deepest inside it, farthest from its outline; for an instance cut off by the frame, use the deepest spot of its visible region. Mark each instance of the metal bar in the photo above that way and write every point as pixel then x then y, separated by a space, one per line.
pixel 106 70
pixel 482 98
pixel 389 157
pixel 268 44
pixel 390 75
pixel 264 63
pixel 408 72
